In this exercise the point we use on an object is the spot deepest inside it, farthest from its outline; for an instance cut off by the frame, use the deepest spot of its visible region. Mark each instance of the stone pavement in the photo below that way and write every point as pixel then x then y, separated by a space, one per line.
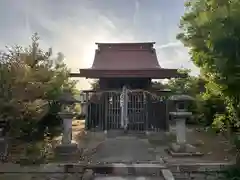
pixel 128 148
pixel 124 149
pixel 130 157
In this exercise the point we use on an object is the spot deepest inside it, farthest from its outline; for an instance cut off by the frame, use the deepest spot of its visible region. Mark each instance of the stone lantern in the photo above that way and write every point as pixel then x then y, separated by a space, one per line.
pixel 180 115
pixel 67 148
pixel 83 103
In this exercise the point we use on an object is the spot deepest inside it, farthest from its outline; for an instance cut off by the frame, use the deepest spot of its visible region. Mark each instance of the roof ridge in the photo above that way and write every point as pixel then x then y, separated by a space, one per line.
pixel 148 50
pixel 123 43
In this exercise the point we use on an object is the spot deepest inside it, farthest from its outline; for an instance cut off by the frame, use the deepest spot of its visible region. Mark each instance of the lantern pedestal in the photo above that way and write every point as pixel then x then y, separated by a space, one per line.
pixel 67 151
pixel 180 118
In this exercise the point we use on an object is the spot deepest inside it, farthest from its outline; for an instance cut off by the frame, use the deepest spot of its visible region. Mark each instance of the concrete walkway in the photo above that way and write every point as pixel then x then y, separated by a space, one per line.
pixel 124 149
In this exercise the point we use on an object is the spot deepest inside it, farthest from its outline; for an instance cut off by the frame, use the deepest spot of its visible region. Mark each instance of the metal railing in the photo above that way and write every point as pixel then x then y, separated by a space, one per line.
pixel 136 110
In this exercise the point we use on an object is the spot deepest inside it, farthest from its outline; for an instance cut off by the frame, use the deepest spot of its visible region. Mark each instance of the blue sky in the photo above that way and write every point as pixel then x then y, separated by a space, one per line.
pixel 73 26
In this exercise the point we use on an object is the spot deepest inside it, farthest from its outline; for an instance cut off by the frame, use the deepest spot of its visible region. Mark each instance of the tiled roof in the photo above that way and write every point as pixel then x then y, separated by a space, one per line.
pixel 137 60
pixel 125 56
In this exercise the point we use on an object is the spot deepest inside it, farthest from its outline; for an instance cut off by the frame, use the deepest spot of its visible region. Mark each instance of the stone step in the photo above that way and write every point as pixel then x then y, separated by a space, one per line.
pixel 119 169
pixel 15 151
pixel 131 169
pixel 78 170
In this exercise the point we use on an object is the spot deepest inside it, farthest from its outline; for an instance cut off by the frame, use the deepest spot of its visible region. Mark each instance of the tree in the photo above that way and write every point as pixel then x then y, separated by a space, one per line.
pixel 95 85
pixel 191 85
pixel 158 85
pixel 211 31
pixel 31 81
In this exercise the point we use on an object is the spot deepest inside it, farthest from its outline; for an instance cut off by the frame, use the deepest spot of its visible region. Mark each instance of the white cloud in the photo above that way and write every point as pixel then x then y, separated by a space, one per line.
pixel 73 30
pixel 136 10
pixel 174 55
pixel 106 21
pixel 168 45
pixel 77 41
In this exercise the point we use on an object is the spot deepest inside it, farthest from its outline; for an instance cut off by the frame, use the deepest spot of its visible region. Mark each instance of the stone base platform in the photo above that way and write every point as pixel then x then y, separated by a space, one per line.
pixel 67 152
pixel 183 150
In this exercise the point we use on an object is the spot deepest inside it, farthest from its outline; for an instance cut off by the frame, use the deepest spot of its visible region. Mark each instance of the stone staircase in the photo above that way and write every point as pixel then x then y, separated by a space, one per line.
pixel 120 171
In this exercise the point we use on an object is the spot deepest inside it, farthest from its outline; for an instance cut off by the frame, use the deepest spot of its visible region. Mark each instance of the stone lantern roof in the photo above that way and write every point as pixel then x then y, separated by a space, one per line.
pixel 67 98
pixel 181 97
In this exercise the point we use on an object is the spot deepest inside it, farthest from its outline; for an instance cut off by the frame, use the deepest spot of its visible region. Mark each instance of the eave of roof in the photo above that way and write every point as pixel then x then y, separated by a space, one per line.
pixel 144 73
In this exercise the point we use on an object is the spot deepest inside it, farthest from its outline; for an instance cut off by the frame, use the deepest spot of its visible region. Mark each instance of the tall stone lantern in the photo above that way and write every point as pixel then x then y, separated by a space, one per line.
pixel 67 148
pixel 180 115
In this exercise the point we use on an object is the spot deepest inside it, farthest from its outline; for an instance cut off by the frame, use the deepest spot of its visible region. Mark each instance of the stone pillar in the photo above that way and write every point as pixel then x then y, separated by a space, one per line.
pixel 124 108
pixel 67 131
pixel 84 108
pixel 83 103
pixel 181 130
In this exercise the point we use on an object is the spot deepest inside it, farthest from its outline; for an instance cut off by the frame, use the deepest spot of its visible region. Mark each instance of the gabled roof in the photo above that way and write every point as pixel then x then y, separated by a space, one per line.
pixel 137 60
pixel 125 56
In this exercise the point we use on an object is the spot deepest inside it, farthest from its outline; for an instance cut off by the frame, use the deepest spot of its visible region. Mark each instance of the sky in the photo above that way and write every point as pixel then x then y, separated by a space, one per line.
pixel 73 26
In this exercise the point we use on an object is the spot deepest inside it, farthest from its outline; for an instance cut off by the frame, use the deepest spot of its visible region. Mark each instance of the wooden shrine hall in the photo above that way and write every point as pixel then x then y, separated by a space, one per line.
pixel 132 65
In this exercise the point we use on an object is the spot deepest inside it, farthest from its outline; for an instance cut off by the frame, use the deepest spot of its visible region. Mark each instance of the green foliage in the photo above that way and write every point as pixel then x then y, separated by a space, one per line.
pixel 31 81
pixel 232 173
pixel 95 85
pixel 190 85
pixel 187 84
pixel 211 30
pixel 219 122
pixel 158 85
pixel 208 106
